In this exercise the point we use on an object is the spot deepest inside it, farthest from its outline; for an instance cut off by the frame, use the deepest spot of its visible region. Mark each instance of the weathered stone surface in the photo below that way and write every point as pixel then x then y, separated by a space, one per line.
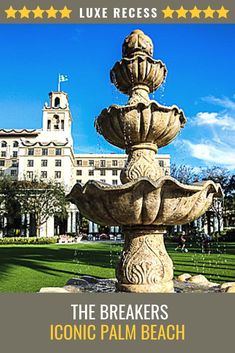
pixel 199 279
pixel 184 277
pixel 164 202
pixel 73 289
pixel 230 289
pixel 145 265
pixel 136 42
pixel 140 123
pixel 227 284
pixel 212 284
pixel 53 290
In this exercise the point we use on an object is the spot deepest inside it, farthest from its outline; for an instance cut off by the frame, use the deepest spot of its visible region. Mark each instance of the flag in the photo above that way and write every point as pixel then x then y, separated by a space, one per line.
pixel 63 78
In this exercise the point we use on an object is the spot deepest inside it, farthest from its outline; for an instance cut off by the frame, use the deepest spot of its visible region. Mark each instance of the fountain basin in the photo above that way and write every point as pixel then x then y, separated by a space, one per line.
pixel 140 123
pixel 138 69
pixel 144 202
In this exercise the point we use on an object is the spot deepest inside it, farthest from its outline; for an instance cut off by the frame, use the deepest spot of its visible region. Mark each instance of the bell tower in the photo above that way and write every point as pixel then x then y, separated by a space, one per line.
pixel 57 118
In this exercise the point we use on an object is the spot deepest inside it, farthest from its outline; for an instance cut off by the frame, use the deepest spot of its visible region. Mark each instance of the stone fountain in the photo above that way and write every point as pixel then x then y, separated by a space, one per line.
pixel 147 201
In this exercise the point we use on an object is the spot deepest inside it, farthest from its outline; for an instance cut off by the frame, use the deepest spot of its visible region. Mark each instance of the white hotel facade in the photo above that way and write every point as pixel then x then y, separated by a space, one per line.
pixel 48 153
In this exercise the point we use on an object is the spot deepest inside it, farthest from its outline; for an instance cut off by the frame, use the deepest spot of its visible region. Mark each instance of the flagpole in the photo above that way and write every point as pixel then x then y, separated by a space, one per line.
pixel 59 83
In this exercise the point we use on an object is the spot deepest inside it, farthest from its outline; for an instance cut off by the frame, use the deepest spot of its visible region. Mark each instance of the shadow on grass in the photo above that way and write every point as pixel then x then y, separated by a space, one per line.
pixel 56 260
pixel 48 259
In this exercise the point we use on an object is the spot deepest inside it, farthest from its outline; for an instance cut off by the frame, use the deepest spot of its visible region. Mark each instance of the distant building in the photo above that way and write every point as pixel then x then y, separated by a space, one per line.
pixel 48 153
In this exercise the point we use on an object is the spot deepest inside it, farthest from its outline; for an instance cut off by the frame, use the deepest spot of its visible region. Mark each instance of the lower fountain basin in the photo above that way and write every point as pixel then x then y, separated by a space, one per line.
pixel 144 202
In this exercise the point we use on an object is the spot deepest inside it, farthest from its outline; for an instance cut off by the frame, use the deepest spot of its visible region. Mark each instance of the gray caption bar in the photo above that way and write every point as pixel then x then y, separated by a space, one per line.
pixel 104 11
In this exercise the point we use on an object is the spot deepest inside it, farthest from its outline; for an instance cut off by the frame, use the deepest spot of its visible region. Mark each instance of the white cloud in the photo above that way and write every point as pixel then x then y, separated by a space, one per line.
pixel 224 102
pixel 212 153
pixel 224 121
pixel 215 132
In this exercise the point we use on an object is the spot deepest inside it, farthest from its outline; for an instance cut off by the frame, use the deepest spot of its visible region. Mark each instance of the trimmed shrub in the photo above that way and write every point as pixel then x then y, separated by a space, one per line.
pixel 30 240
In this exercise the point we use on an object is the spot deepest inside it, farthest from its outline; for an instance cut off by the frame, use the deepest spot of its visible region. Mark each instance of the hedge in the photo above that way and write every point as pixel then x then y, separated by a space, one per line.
pixel 30 240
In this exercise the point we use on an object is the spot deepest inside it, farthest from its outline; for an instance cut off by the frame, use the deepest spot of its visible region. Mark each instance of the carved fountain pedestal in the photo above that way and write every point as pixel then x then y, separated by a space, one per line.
pixel 145 266
pixel 148 200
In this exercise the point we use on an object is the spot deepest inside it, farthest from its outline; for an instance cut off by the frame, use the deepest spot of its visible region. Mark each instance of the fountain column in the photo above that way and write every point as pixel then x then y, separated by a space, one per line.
pixel 145 266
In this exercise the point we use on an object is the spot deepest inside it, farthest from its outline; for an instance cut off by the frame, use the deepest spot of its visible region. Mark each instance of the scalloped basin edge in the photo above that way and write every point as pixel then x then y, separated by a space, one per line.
pixel 143 201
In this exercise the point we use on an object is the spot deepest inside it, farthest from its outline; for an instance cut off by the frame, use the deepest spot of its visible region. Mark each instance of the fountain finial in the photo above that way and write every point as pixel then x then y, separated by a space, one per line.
pixel 138 70
pixel 137 42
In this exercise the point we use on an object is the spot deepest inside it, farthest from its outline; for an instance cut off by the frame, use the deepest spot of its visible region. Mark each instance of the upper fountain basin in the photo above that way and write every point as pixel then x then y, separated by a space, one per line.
pixel 132 124
pixel 145 202
pixel 138 70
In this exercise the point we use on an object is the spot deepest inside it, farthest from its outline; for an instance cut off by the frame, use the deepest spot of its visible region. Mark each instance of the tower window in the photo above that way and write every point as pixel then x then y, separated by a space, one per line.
pixel 15 144
pixel 161 163
pixel 49 125
pixel 3 144
pixel 58 162
pixel 44 163
pixel 56 122
pixel 62 124
pixel 57 102
pixel 30 163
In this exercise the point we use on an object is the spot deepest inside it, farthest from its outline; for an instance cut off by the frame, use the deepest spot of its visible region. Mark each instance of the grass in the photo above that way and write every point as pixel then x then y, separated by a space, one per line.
pixel 27 268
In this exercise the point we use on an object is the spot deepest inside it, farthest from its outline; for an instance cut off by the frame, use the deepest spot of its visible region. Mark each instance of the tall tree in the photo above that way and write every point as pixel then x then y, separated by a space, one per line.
pixel 42 200
pixel 9 203
pixel 184 173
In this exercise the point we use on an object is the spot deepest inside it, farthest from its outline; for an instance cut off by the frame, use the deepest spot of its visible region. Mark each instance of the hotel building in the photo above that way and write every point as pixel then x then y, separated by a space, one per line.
pixel 48 153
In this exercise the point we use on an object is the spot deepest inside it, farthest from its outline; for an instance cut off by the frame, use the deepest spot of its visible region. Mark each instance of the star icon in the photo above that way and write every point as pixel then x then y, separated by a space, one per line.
pixel 222 12
pixel 182 12
pixel 65 12
pixel 209 13
pixel 38 12
pixel 195 12
pixel 168 12
pixel 11 13
pixel 24 12
pixel 51 12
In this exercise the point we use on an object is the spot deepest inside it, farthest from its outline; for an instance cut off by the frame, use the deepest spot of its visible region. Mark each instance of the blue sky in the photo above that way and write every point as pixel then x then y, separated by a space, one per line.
pixel 201 80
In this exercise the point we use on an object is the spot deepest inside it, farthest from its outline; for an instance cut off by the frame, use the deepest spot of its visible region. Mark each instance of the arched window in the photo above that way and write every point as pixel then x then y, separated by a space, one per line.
pixel 56 121
pixel 15 144
pixel 57 102
pixel 3 144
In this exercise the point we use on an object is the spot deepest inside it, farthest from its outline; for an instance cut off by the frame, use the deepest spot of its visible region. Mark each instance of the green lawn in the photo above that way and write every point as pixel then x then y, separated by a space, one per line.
pixel 27 268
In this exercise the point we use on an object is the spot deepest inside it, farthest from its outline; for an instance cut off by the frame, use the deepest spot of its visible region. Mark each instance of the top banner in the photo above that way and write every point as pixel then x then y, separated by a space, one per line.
pixel 121 11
